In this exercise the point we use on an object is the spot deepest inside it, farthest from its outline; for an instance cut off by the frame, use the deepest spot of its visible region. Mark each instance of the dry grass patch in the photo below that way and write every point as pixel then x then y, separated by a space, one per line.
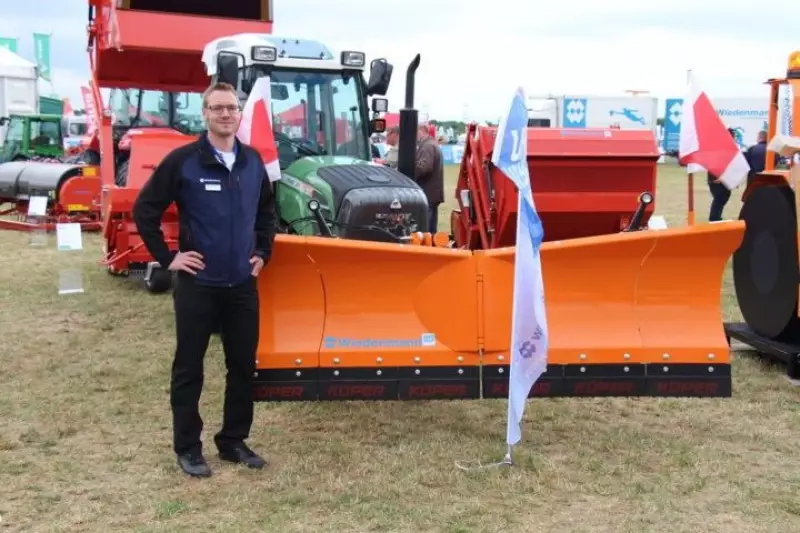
pixel 85 440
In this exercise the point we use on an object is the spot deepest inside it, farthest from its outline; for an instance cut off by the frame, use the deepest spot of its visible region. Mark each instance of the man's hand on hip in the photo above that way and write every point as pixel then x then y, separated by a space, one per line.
pixel 258 264
pixel 190 262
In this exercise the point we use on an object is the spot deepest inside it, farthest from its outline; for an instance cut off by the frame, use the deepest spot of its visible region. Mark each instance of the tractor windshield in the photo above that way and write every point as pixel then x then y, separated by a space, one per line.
pixel 45 133
pixel 135 108
pixel 316 113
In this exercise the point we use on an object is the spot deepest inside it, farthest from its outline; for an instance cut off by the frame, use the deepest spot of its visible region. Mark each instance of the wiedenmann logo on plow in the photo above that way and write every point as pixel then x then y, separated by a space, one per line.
pixel 426 340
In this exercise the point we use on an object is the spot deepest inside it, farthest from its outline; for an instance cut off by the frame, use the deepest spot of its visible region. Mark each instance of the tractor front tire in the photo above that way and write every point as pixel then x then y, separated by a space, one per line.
pixel 121 179
pixel 160 281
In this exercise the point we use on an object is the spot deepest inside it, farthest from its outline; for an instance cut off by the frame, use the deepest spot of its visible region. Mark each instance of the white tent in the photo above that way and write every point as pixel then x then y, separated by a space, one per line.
pixel 14 66
pixel 19 90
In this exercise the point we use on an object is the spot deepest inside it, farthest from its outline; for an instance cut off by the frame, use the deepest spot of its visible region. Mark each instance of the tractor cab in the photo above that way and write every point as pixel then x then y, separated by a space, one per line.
pixel 29 137
pixel 138 108
pixel 318 100
pixel 322 125
pixel 135 111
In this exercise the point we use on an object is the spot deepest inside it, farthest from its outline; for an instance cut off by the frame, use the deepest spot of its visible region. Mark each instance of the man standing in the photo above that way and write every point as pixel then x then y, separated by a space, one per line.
pixel 392 140
pixel 429 173
pixel 720 194
pixel 227 226
pixel 756 156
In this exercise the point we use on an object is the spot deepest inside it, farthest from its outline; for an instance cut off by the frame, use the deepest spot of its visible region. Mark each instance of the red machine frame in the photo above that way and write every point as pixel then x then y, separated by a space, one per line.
pixel 156 45
pixel 586 182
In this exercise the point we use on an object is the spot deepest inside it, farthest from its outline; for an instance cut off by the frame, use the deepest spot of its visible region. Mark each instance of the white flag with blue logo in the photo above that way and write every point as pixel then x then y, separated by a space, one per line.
pixel 529 319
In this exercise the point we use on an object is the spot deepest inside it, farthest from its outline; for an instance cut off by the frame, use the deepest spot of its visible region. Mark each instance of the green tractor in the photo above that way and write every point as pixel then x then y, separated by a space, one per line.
pixel 322 123
pixel 32 138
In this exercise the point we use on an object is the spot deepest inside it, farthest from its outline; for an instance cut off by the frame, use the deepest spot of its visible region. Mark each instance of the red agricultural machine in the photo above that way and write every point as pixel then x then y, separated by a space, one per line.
pixel 614 304
pixel 585 183
pixel 148 52
pixel 72 192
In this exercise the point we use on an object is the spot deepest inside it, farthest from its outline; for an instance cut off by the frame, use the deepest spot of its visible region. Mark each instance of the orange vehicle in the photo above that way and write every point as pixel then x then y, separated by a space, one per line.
pixel 355 320
pixel 765 267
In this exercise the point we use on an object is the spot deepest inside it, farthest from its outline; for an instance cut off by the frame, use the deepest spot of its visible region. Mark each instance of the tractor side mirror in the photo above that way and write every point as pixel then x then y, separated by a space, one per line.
pixel 228 67
pixel 380 74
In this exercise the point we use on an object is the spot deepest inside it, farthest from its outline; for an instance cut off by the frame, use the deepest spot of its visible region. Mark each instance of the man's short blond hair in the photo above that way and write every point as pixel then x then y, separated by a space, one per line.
pixel 218 86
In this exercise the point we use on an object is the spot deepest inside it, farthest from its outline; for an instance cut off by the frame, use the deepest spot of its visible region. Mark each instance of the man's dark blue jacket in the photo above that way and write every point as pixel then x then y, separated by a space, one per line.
pixel 226 216
pixel 756 157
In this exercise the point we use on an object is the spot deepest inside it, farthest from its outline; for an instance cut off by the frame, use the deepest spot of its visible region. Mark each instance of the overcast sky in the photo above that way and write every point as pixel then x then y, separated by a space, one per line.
pixel 474 54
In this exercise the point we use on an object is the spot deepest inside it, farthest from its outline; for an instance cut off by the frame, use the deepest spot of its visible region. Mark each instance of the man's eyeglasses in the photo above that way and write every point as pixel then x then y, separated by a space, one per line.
pixel 218 109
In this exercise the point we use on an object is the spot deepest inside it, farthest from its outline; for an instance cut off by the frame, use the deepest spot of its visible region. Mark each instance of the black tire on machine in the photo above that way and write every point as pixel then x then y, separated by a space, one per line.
pixel 121 179
pixel 765 267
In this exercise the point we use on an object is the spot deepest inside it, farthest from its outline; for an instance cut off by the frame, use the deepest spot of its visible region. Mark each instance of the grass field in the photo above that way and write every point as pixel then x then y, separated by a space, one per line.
pixel 85 439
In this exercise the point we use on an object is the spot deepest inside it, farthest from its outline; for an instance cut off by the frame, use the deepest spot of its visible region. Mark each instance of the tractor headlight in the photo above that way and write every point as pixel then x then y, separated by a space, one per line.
pixel 313 205
pixel 646 198
pixel 264 53
pixel 353 59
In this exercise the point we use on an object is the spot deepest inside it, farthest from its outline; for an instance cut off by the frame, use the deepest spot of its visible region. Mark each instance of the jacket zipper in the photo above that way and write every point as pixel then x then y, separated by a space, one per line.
pixel 230 219
pixel 221 162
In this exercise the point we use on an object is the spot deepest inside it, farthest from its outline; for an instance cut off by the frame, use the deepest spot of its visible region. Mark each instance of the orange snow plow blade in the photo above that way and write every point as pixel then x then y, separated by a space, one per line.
pixel 633 314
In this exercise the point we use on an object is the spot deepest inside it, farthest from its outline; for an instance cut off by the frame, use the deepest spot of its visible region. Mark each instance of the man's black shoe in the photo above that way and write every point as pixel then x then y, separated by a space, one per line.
pixel 194 464
pixel 240 453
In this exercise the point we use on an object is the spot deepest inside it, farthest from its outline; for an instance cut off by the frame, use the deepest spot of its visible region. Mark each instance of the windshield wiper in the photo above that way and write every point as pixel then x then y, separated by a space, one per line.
pixel 299 145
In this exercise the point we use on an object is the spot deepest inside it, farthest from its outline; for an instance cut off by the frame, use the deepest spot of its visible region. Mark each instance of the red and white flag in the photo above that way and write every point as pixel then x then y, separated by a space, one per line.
pixel 705 141
pixel 88 105
pixel 256 127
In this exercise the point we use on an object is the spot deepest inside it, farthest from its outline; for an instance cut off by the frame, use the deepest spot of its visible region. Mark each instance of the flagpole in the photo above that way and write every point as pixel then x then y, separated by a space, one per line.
pixel 507 460
pixel 690 181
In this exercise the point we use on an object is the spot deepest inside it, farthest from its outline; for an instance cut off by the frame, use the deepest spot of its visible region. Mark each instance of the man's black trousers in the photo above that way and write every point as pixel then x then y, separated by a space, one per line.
pixel 200 311
pixel 720 195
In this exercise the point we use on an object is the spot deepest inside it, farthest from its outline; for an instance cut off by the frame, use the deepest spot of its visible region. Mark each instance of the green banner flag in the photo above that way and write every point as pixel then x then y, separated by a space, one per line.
pixel 9 42
pixel 41 47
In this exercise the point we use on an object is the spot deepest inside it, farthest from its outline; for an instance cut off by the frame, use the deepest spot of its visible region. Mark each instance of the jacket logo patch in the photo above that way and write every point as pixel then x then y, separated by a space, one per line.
pixel 212 185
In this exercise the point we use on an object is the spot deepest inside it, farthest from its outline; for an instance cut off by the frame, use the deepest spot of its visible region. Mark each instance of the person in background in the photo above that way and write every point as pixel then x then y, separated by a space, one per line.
pixel 756 156
pixel 228 220
pixel 429 173
pixel 720 194
pixel 393 141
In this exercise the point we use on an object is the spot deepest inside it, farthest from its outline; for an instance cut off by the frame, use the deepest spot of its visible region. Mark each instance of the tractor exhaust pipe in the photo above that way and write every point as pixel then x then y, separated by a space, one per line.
pixel 406 155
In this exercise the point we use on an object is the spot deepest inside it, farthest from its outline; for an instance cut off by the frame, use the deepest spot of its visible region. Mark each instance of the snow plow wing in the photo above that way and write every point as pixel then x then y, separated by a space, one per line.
pixel 632 314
